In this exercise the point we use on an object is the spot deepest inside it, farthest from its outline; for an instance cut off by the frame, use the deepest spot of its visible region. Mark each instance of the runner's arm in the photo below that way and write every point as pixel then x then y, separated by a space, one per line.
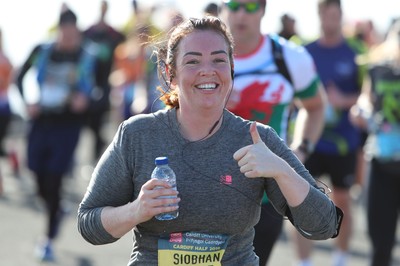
pixel 310 121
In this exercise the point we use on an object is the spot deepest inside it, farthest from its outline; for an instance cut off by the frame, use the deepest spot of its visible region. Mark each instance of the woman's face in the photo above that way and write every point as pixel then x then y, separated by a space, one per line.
pixel 203 71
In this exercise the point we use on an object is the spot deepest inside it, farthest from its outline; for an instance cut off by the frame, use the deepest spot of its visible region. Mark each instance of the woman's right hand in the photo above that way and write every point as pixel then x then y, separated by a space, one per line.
pixel 117 221
pixel 147 204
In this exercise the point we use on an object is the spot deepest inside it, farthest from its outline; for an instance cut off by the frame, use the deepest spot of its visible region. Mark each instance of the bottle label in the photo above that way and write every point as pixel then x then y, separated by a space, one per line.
pixel 192 248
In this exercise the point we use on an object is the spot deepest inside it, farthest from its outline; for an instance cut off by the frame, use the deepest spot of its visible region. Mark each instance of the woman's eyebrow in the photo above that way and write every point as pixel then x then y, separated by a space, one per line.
pixel 199 54
pixel 219 52
pixel 192 53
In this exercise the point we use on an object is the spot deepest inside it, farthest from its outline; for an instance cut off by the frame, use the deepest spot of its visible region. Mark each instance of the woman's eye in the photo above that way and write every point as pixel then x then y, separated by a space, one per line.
pixel 221 59
pixel 191 62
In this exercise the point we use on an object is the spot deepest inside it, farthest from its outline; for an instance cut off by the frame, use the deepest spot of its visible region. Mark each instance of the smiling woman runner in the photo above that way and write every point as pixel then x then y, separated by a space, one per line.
pixel 220 192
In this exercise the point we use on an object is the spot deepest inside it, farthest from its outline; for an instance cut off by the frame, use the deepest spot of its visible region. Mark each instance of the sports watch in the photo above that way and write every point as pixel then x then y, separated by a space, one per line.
pixel 306 147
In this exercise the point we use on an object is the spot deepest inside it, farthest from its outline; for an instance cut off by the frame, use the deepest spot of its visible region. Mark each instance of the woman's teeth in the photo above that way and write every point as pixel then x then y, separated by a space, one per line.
pixel 208 86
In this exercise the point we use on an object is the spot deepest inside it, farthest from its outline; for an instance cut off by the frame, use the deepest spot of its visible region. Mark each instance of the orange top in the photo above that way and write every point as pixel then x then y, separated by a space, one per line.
pixel 5 73
pixel 131 60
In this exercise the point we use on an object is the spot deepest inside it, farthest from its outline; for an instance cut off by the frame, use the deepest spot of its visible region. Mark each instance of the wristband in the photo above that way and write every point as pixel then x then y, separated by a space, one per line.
pixel 306 147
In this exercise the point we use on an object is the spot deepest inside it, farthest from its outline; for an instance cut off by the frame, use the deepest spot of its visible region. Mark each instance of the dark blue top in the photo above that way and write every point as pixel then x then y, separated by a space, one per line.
pixel 337 65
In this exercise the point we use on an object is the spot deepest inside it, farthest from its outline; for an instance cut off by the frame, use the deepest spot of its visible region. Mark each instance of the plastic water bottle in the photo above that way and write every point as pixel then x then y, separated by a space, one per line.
pixel 162 171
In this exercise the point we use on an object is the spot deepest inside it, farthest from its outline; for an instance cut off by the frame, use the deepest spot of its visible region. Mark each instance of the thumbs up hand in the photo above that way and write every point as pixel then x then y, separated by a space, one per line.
pixel 257 160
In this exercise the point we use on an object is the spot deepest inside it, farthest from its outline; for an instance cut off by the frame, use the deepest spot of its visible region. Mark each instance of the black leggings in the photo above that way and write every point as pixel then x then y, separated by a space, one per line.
pixel 267 232
pixel 383 208
pixel 49 189
pixel 94 122
pixel 4 123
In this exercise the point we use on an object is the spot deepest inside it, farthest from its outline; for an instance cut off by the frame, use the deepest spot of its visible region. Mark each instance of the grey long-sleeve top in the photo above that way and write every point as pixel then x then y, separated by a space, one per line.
pixel 216 198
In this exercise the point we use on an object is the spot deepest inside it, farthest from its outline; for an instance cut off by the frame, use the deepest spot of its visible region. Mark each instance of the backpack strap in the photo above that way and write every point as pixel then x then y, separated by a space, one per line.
pixel 86 70
pixel 277 53
pixel 41 62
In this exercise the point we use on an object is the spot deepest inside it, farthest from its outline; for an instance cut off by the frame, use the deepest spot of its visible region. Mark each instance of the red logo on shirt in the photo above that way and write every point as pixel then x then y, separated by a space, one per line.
pixel 254 106
pixel 226 179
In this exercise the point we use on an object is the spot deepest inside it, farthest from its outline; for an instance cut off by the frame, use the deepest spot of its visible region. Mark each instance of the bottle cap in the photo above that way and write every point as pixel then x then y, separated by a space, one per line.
pixel 161 160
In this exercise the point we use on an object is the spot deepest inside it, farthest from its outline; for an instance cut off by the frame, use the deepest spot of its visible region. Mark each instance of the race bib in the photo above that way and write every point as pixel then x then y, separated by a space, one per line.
pixel 53 95
pixel 191 248
pixel 386 144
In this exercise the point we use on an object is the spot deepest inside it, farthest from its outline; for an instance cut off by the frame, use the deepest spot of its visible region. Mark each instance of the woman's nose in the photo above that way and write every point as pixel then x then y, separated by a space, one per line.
pixel 208 71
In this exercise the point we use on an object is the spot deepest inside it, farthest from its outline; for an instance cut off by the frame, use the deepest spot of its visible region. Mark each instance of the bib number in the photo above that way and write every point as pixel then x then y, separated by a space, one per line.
pixel 191 248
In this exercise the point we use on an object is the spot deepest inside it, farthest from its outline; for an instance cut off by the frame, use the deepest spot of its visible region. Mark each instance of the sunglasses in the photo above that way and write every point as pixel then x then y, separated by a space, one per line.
pixel 250 7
